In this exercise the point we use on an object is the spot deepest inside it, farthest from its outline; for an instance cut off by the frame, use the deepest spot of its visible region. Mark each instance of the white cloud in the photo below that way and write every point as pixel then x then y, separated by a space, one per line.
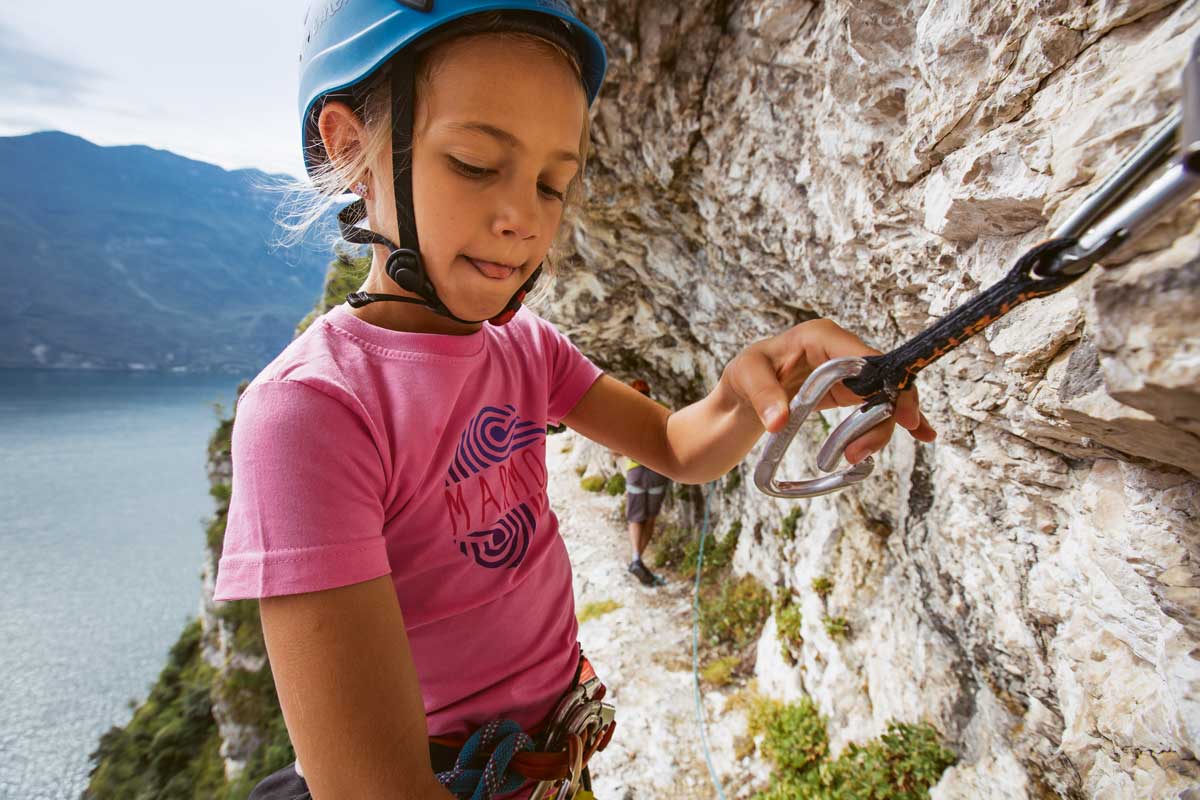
pixel 215 81
pixel 30 76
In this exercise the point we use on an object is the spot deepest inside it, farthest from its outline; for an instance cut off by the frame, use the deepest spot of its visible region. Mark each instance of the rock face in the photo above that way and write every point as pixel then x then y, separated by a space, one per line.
pixel 1030 584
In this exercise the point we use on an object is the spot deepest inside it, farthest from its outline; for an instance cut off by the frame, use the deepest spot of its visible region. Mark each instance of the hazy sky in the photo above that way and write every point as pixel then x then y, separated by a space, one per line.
pixel 213 80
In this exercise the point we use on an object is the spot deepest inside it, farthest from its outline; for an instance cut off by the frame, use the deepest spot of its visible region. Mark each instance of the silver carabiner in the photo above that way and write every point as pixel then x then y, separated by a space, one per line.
pixel 1098 225
pixel 580 715
pixel 818 384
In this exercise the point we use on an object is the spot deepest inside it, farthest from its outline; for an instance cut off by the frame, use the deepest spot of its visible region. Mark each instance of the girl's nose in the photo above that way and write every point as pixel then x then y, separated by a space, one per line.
pixel 517 217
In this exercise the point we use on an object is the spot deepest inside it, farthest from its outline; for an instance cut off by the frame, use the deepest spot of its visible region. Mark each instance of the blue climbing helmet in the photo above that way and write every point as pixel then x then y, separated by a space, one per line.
pixel 346 42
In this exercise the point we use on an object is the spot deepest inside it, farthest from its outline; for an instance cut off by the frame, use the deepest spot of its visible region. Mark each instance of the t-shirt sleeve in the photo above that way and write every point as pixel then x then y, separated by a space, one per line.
pixel 306 510
pixel 571 373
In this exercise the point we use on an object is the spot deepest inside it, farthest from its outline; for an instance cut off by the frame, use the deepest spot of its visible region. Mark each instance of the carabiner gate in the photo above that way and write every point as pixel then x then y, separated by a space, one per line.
pixel 818 384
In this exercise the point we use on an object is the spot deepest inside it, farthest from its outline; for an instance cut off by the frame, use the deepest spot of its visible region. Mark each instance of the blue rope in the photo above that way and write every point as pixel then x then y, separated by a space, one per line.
pixel 696 649
pixel 466 783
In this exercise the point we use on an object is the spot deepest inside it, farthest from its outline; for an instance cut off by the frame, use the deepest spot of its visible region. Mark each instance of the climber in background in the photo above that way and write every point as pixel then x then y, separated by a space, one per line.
pixel 645 490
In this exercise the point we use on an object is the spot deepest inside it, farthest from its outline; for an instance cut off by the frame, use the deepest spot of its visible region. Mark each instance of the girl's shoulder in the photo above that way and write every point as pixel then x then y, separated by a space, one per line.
pixel 315 361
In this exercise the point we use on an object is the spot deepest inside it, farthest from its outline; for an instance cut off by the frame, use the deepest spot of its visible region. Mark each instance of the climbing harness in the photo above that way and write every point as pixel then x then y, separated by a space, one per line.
pixel 500 757
pixel 1089 235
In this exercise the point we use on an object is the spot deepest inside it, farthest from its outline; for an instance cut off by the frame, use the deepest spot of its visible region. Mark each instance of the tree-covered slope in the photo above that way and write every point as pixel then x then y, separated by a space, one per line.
pixel 114 256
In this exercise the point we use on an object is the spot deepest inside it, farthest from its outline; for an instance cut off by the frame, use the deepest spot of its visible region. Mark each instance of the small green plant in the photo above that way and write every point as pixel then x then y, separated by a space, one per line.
pixel 678 549
pixel 592 483
pixel 733 481
pixel 718 554
pixel 671 545
pixel 787 528
pixel 615 485
pixel 735 614
pixel 822 586
pixel 787 625
pixel 596 609
pixel 720 672
pixel 794 737
pixel 836 627
pixel 903 764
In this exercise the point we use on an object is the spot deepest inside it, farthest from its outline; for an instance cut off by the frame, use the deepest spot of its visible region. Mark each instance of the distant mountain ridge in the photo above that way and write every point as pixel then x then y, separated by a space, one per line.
pixel 135 258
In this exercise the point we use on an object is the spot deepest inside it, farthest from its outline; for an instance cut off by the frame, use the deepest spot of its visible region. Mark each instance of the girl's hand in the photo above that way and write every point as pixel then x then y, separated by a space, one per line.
pixel 766 375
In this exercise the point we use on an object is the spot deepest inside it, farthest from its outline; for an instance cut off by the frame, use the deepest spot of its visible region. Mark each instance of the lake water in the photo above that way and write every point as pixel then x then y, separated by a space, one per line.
pixel 102 500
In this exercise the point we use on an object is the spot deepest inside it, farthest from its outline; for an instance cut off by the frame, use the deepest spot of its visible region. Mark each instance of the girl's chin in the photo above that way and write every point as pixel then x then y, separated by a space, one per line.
pixel 478 296
pixel 476 307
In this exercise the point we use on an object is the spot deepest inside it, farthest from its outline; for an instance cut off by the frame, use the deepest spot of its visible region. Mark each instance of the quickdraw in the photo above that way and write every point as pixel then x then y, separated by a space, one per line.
pixel 582 724
pixel 1045 269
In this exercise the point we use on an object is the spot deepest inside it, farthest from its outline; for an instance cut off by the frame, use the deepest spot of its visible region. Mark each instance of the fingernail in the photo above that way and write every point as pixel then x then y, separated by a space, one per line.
pixel 773 414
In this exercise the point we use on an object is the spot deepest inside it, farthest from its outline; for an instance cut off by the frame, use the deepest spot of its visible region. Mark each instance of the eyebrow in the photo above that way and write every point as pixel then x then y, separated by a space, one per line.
pixel 505 137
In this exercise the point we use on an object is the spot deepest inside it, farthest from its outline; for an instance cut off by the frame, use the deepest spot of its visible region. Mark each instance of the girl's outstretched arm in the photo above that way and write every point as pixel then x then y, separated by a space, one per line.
pixel 346 681
pixel 703 441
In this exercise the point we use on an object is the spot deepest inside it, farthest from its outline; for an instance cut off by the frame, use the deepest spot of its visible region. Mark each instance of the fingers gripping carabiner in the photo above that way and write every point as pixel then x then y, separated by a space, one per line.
pixel 818 384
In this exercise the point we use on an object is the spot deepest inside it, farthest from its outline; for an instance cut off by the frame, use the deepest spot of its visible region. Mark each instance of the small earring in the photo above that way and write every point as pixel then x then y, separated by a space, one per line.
pixel 361 189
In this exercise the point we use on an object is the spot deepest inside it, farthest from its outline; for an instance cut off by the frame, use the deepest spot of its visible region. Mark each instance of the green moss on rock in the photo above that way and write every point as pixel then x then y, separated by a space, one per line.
pixel 787 625
pixel 592 483
pixel 787 528
pixel 836 627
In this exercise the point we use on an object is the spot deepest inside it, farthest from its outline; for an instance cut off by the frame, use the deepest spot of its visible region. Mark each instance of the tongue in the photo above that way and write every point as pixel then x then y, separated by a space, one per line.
pixel 492 270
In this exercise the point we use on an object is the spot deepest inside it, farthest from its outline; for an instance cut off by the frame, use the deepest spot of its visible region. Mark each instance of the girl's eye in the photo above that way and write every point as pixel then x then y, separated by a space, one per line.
pixel 550 191
pixel 468 170
pixel 477 173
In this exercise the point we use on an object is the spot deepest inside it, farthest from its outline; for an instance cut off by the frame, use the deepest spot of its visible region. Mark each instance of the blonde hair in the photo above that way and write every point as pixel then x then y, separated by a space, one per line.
pixel 308 202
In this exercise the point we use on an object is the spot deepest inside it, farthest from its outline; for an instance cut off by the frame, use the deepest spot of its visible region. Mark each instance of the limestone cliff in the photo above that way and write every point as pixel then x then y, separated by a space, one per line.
pixel 1030 584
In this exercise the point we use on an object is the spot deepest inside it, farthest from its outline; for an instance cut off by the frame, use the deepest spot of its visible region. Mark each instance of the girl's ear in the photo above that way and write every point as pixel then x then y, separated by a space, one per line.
pixel 343 135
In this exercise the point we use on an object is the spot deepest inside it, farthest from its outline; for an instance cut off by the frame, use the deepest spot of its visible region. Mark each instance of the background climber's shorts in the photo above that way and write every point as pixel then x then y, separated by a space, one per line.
pixel 644 493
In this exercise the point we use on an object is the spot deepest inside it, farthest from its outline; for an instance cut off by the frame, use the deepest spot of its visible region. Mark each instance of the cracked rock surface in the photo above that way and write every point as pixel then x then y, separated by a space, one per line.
pixel 1030 584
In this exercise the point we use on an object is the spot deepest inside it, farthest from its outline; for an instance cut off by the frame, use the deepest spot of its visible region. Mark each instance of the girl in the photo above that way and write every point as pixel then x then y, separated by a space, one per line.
pixel 389 504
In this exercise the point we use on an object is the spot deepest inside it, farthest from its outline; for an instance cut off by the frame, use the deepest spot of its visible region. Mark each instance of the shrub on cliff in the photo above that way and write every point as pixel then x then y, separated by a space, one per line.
pixel 902 764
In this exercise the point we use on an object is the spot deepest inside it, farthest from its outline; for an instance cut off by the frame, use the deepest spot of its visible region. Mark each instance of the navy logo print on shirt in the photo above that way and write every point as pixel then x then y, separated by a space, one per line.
pixel 491 437
pixel 491 468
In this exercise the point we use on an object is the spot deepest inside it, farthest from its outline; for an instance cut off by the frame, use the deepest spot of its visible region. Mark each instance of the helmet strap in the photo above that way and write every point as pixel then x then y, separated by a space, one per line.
pixel 404 264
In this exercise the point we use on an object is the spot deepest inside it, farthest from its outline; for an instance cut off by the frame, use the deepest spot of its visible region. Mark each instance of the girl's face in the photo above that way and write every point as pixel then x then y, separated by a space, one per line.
pixel 496 145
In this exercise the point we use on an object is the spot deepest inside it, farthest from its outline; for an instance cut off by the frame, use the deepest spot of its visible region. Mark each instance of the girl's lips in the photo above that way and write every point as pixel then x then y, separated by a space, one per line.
pixel 494 271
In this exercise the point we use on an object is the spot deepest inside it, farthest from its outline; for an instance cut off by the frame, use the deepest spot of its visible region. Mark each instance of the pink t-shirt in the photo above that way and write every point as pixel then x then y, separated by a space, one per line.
pixel 361 451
